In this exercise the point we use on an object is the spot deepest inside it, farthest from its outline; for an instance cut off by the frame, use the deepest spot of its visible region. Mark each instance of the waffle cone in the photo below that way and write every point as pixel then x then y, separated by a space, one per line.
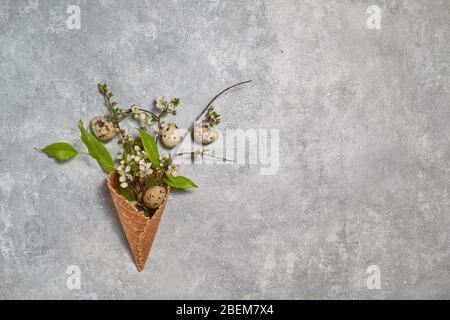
pixel 139 229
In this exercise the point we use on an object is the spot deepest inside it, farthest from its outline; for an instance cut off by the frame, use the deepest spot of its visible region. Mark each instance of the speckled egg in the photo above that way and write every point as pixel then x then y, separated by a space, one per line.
pixel 170 135
pixel 103 128
pixel 154 197
pixel 204 133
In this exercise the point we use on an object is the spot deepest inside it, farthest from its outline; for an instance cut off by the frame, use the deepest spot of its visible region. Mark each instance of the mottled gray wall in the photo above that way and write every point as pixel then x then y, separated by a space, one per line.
pixel 364 148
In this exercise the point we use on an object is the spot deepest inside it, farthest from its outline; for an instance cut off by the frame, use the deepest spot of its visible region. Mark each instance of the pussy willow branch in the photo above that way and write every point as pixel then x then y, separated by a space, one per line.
pixel 206 108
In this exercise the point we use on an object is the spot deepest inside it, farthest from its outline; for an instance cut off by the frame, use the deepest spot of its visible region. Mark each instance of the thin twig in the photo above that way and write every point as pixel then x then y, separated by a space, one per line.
pixel 208 105
pixel 204 154
pixel 218 95
pixel 224 159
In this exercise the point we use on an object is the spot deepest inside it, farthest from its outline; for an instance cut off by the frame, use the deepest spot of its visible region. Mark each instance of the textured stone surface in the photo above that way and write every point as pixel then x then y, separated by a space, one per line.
pixel 364 148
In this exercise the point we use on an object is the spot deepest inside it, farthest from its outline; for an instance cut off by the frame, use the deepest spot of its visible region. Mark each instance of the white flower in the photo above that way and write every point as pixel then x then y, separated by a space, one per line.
pixel 137 148
pixel 135 108
pixel 145 169
pixel 122 179
pixel 142 116
pixel 127 169
pixel 171 108
pixel 173 169
pixel 137 158
pixel 128 157
pixel 160 103
pixel 142 161
pixel 124 185
pixel 119 168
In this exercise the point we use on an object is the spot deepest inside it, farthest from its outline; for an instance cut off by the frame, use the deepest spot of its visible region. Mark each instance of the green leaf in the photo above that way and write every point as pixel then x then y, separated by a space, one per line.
pixel 178 181
pixel 175 101
pixel 96 149
pixel 60 150
pixel 150 147
pixel 127 193
pixel 151 181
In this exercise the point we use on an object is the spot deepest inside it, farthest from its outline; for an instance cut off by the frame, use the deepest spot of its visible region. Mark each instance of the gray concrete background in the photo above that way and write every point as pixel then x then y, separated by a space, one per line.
pixel 364 148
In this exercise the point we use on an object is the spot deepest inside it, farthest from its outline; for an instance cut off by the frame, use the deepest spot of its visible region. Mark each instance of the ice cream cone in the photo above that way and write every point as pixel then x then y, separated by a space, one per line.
pixel 139 229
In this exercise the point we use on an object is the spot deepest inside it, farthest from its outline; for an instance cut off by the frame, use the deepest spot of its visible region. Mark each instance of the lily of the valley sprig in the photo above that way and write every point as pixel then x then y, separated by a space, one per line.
pixel 143 172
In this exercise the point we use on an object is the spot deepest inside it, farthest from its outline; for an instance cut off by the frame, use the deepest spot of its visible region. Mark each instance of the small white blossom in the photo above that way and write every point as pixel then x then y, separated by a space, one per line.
pixel 135 109
pixel 124 185
pixel 173 169
pixel 160 103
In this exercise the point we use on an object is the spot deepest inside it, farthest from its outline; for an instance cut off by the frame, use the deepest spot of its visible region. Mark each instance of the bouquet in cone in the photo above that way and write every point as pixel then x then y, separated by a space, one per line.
pixel 141 178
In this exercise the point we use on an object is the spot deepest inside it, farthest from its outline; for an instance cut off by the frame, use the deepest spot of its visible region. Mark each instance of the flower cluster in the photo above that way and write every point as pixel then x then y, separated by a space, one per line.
pixel 168 165
pixel 133 164
pixel 125 137
pixel 145 118
pixel 167 106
